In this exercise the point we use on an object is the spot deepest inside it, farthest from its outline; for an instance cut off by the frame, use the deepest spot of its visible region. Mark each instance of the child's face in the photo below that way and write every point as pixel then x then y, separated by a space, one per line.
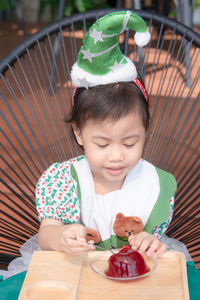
pixel 112 148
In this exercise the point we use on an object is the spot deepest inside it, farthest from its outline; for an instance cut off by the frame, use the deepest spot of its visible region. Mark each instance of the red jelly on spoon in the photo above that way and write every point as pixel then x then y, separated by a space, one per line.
pixel 126 263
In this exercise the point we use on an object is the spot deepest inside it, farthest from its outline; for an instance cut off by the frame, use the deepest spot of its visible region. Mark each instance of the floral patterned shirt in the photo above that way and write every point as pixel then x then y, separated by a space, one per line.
pixel 58 196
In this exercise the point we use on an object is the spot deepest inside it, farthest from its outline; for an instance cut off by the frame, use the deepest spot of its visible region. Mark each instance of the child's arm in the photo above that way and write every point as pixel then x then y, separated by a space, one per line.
pixel 54 235
pixel 146 243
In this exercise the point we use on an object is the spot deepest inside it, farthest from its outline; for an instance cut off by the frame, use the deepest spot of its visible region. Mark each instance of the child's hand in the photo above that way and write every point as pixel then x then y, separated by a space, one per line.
pixel 146 243
pixel 73 240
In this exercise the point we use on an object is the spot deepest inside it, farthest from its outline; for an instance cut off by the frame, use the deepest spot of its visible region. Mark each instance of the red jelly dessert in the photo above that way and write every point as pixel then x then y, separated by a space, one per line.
pixel 126 263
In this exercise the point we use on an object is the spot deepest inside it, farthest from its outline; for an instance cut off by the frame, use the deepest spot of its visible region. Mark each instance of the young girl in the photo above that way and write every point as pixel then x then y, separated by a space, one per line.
pixel 110 122
pixel 110 119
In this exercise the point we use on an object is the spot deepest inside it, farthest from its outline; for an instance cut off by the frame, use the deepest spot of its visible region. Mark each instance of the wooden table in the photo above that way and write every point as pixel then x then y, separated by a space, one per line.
pixel 56 275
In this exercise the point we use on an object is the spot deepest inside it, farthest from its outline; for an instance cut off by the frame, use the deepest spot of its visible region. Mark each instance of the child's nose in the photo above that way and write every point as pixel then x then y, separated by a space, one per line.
pixel 116 154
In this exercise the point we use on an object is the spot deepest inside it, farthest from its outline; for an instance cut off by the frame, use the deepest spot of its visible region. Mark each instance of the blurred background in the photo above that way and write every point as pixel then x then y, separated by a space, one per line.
pixel 21 18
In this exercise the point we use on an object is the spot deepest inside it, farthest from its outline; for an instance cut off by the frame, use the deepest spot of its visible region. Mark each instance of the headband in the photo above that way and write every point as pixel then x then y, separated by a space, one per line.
pixel 141 87
pixel 136 81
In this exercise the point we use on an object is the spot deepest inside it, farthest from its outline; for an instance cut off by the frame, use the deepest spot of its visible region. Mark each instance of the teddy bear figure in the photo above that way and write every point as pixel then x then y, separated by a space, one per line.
pixel 125 226
pixel 92 235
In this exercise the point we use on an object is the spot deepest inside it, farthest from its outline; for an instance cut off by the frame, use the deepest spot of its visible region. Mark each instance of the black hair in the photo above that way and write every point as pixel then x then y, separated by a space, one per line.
pixel 111 101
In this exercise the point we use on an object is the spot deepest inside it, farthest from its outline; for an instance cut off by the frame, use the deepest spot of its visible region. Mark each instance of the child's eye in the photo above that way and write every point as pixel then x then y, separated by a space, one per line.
pixel 129 145
pixel 102 146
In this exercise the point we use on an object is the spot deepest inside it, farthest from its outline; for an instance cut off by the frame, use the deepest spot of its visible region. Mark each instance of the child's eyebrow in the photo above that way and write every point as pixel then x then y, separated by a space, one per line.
pixel 132 136
pixel 100 137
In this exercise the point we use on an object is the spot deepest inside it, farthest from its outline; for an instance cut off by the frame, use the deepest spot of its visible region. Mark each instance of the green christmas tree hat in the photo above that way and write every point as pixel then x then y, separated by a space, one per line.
pixel 100 60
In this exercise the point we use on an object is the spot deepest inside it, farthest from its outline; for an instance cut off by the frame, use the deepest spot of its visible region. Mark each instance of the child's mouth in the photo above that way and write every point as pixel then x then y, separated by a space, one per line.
pixel 115 171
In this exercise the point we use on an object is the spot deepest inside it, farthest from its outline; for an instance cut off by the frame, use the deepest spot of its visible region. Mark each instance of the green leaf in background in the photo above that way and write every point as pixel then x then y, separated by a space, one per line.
pixel 6 4
pixel 69 8
pixel 54 4
pixel 80 5
pixel 72 6
pixel 197 3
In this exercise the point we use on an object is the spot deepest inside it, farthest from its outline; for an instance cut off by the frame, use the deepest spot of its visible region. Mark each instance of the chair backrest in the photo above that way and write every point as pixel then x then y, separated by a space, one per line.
pixel 35 87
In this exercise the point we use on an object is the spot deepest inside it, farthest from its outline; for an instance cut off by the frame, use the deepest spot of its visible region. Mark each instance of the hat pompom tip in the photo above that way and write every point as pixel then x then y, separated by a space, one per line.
pixel 142 38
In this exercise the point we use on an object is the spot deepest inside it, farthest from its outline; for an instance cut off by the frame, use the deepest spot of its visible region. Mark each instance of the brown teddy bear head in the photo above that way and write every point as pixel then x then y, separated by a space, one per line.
pixel 125 226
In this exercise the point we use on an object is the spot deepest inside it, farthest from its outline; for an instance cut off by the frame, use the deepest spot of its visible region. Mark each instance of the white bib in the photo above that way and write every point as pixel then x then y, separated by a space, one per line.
pixel 137 197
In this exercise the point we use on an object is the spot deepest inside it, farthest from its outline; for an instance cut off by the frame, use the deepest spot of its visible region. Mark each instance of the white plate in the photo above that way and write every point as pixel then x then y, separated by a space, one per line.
pixel 99 264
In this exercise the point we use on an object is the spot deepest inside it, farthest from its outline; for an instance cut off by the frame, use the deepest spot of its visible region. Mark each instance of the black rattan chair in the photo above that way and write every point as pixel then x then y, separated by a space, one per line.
pixel 36 88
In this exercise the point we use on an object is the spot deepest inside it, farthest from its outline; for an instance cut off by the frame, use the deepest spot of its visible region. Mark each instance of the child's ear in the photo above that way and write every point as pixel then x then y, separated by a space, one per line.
pixel 77 133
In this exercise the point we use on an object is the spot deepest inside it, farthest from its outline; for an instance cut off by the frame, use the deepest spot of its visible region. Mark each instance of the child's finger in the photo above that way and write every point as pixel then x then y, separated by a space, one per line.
pixel 131 239
pixel 135 242
pixel 91 242
pixel 84 244
pixel 76 233
pixel 161 249
pixel 80 234
pixel 157 248
pixel 79 240
pixel 77 243
pixel 132 242
pixel 153 247
pixel 71 234
pixel 145 244
pixel 72 242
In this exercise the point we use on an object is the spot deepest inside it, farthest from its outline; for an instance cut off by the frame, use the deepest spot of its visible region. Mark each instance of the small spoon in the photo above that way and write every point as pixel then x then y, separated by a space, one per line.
pixel 102 248
pixel 99 247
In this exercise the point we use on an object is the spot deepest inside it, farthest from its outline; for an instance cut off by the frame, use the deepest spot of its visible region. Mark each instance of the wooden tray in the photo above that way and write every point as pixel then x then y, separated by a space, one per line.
pixel 56 275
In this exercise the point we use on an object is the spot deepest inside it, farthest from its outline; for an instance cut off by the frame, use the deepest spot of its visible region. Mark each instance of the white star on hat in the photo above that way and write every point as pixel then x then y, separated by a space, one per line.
pixel 116 65
pixel 87 54
pixel 96 35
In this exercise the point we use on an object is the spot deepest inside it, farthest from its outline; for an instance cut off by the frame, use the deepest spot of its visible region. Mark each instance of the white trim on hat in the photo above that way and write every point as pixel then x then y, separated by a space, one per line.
pixel 119 73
